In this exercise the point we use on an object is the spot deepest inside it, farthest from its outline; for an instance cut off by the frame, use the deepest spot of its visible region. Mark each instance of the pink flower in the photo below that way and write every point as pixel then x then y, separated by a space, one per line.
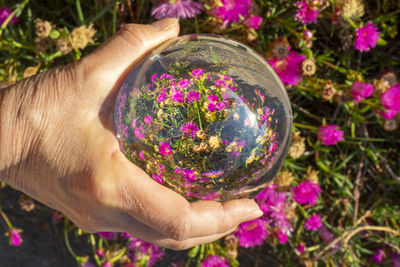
pixel 154 77
pixel 177 9
pixel 158 178
pixel 108 235
pixel 361 91
pixel 142 250
pixel 188 174
pixel 214 261
pixel 391 98
pixel 288 68
pixel 164 148
pixel 326 234
pixel 161 97
pixel 15 237
pixel 197 72
pixel 100 252
pixel 306 13
pixel 330 134
pixel 177 96
pixel 141 155
pixel 252 233
pixel 301 247
pixel 366 37
pixel 212 98
pixel 190 128
pixel 313 222
pixel 219 105
pixel 4 14
pixel 211 107
pixel 275 206
pixel 231 10
pixel 139 134
pixel 378 256
pixel 281 236
pixel 306 192
pixel 184 83
pixel 193 96
pixel 253 22
pixel 148 119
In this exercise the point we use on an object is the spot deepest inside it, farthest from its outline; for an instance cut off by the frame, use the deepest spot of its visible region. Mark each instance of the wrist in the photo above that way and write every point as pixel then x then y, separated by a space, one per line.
pixel 16 135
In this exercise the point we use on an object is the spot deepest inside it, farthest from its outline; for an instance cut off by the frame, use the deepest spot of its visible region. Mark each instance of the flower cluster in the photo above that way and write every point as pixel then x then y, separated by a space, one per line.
pixel 182 116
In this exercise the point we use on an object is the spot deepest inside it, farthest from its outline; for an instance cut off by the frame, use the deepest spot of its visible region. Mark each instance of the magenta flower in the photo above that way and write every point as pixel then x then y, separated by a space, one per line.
pixel 253 22
pixel 161 97
pixel 326 234
pixel 4 14
pixel 164 148
pixel 281 236
pixel 14 237
pixel 197 72
pixel 391 100
pixel 330 134
pixel 190 128
pixel 366 37
pixel 275 205
pixel 212 98
pixel 147 119
pixel 214 261
pixel 141 250
pixel 177 96
pixel 166 76
pixel 361 91
pixel 107 264
pixel 313 222
pixel 177 9
pixel 306 192
pixel 252 233
pixel 307 35
pixel 301 247
pixel 108 235
pixel 193 96
pixel 306 13
pixel 141 155
pixel 231 10
pixel 139 133
pixel 188 174
pixel 219 105
pixel 211 107
pixel 158 178
pixel 288 69
pixel 378 256
pixel 184 83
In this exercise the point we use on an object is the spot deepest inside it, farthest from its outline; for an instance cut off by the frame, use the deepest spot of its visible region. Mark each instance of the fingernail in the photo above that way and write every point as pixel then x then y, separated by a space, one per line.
pixel 164 24
pixel 255 214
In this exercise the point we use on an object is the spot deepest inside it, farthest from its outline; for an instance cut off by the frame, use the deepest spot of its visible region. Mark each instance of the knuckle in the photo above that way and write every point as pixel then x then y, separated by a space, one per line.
pixel 181 229
pixel 136 35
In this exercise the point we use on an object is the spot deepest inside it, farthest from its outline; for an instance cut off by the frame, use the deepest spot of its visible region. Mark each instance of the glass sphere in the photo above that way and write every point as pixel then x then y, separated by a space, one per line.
pixel 205 116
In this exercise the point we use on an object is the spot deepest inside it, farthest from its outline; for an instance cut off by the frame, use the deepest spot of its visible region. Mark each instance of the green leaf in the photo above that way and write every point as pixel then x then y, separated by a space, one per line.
pixel 193 252
pixel 381 42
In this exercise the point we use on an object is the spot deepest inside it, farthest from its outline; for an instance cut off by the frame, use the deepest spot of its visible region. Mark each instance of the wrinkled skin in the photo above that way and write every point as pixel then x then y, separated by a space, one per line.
pixel 58 144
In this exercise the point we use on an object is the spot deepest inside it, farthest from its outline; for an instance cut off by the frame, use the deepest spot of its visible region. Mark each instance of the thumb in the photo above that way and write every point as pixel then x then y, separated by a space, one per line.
pixel 109 64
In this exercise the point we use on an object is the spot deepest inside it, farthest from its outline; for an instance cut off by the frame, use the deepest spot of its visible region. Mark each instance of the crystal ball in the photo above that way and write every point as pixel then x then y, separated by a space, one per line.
pixel 205 116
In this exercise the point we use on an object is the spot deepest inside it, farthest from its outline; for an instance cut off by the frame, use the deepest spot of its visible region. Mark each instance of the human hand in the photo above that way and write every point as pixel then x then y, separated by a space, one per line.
pixel 58 144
